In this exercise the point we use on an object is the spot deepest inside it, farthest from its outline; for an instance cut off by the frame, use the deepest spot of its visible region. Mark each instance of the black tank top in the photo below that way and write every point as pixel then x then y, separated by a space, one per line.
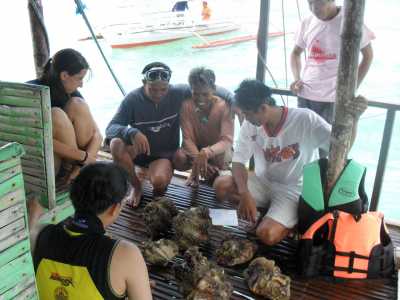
pixel 72 260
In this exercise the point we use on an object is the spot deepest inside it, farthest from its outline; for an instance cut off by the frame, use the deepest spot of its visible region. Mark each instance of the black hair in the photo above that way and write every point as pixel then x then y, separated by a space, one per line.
pixel 98 186
pixel 155 65
pixel 251 94
pixel 202 76
pixel 68 60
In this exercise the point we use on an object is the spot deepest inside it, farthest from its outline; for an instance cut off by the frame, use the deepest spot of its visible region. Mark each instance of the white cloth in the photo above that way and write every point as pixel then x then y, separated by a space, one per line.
pixel 279 160
pixel 322 41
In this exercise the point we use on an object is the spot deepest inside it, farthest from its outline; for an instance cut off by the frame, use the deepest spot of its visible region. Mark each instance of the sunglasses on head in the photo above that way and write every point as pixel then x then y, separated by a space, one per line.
pixel 157 73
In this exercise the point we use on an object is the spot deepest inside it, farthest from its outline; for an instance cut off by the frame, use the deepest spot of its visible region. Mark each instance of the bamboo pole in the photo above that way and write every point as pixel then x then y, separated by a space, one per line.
pixel 345 88
pixel 262 39
pixel 40 41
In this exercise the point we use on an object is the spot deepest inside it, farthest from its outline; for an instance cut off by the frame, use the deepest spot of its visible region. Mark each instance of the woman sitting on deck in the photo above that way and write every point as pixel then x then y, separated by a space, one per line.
pixel 76 137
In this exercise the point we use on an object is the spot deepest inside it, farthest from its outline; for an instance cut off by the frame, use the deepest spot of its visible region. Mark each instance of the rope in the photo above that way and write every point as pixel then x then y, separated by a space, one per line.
pixel 80 10
pixel 39 15
pixel 284 46
pixel 269 72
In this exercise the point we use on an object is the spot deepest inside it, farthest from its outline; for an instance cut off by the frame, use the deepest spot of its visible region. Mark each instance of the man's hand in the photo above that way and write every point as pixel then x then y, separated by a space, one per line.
pixel 247 207
pixel 201 162
pixel 357 107
pixel 141 144
pixel 296 86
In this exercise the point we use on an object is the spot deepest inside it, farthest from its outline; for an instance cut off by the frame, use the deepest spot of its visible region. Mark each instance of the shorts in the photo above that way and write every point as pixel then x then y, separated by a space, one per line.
pixel 281 201
pixel 325 109
pixel 143 160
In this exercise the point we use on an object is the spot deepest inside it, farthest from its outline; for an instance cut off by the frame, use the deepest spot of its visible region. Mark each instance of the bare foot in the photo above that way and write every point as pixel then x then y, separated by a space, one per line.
pixel 136 195
pixel 192 181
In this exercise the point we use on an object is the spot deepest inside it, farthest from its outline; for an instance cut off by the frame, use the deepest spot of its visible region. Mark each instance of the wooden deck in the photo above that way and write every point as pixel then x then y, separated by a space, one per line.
pixel 131 227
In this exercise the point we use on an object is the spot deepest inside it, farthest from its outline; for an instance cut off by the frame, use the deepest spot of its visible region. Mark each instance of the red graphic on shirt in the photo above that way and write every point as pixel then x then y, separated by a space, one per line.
pixel 276 154
pixel 319 55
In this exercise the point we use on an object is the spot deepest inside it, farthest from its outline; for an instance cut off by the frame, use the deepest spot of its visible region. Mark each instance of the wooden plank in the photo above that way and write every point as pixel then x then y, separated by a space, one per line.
pixel 57 214
pixel 35 172
pixel 14 293
pixel 6 164
pixel 10 172
pixel 19 101
pixel 48 147
pixel 10 150
pixel 14 272
pixel 21 112
pixel 13 239
pixel 13 184
pixel 35 180
pixel 32 189
pixel 11 199
pixel 19 121
pixel 12 227
pixel 20 89
pixel 31 152
pixel 23 130
pixel 14 252
pixel 11 214
pixel 38 164
pixel 21 139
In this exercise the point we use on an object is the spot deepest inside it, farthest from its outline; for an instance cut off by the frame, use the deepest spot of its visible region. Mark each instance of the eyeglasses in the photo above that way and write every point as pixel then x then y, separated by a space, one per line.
pixel 157 73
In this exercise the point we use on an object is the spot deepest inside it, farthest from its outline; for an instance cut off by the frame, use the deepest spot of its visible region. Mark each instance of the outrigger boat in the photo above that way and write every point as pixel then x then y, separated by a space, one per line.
pixel 16 275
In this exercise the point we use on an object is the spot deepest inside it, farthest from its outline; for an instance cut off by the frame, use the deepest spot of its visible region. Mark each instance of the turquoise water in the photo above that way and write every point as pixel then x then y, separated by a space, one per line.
pixel 231 64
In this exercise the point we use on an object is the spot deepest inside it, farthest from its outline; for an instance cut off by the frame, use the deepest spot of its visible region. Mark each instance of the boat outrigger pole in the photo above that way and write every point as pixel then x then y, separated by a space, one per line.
pixel 81 10
pixel 345 88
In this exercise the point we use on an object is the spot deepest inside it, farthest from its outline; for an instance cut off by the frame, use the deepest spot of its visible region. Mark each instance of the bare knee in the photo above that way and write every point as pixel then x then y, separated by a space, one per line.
pixel 270 234
pixel 160 182
pixel 180 160
pixel 76 106
pixel 59 119
pixel 223 186
pixel 117 148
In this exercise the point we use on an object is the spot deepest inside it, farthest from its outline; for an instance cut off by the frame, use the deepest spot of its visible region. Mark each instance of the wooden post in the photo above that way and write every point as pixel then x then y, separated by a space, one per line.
pixel 262 39
pixel 345 88
pixel 40 41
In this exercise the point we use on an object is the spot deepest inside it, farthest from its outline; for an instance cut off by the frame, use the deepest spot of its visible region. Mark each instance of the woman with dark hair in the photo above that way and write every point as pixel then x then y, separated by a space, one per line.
pixel 77 253
pixel 76 137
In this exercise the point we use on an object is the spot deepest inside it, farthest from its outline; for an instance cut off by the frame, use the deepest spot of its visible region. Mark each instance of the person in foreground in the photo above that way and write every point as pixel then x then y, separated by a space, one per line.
pixel 75 259
pixel 319 34
pixel 145 130
pixel 282 141
pixel 76 136
pixel 207 129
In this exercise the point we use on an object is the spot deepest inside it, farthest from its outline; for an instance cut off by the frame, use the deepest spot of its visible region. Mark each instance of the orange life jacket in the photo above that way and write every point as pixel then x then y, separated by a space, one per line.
pixel 343 245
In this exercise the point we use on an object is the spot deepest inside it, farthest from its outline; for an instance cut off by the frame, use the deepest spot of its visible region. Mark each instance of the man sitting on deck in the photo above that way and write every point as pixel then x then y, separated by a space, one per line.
pixel 145 129
pixel 282 141
pixel 207 127
pixel 74 257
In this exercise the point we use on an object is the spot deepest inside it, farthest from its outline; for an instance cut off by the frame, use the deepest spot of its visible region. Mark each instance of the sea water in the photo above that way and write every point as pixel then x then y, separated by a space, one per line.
pixel 230 63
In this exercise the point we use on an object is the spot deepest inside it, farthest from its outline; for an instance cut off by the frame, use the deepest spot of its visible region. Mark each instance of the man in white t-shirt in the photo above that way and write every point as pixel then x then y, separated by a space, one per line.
pixel 319 34
pixel 282 141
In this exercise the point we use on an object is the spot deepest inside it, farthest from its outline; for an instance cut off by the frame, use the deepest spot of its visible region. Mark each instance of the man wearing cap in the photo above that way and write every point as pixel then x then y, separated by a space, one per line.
pixel 145 129
pixel 282 141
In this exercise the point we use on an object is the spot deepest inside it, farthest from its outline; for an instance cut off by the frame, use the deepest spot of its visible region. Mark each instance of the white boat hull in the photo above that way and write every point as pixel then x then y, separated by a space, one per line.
pixel 127 39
